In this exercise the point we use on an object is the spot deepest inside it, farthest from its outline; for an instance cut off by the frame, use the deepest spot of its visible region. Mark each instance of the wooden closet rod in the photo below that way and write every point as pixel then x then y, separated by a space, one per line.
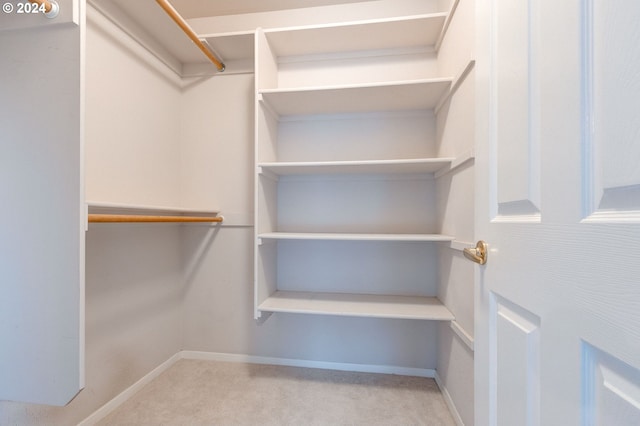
pixel 121 218
pixel 47 5
pixel 173 14
pixel 51 8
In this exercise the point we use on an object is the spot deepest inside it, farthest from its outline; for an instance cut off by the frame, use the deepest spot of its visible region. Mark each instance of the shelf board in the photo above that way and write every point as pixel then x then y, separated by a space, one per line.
pixel 355 237
pixel 358 305
pixel 419 165
pixel 126 213
pixel 393 33
pixel 117 208
pixel 396 96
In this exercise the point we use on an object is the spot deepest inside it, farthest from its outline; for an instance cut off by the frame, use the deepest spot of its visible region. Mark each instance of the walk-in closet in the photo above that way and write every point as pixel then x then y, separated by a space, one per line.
pixel 305 207
pixel 319 212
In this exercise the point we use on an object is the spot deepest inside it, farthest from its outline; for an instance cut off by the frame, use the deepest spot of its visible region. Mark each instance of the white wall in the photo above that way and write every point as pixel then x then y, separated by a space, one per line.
pixel 134 271
pixel 216 160
pixel 456 213
pixel 132 121
pixel 41 232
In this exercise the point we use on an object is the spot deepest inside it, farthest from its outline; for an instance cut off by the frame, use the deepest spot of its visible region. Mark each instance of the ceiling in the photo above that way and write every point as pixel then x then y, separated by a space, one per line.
pixel 200 8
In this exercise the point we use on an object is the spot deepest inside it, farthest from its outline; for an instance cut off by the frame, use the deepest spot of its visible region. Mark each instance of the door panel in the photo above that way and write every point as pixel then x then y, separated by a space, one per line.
pixel 515 341
pixel 612 99
pixel 514 63
pixel 612 390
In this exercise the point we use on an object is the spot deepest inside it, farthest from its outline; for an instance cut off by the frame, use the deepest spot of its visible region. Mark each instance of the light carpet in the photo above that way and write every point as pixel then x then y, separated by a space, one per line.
pixel 195 392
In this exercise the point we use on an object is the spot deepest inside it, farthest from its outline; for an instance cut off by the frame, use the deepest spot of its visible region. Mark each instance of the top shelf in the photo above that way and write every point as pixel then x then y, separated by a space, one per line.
pixel 379 34
pixel 412 32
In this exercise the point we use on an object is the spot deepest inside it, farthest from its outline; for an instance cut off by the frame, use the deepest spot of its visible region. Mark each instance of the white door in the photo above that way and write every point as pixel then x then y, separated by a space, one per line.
pixel 558 169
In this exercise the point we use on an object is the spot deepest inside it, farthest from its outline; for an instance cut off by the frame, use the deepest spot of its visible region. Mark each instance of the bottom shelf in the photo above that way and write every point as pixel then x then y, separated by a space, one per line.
pixel 357 305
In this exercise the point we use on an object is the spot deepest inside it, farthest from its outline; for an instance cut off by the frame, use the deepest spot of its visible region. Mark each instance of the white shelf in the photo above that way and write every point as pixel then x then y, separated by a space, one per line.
pixel 289 97
pixel 359 305
pixel 394 33
pixel 397 96
pixel 115 208
pixel 418 165
pixel 355 237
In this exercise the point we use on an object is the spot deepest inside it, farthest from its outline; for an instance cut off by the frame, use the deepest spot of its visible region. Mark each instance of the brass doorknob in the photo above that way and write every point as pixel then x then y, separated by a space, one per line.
pixel 478 254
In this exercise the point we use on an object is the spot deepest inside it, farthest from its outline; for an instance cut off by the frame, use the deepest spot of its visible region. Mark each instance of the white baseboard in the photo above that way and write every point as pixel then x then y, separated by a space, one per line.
pixel 449 401
pixel 110 406
pixel 362 368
